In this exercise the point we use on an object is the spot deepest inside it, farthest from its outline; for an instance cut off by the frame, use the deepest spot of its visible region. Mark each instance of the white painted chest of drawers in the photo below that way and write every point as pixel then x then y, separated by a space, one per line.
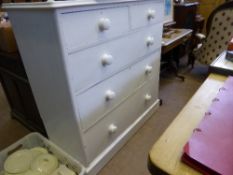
pixel 94 70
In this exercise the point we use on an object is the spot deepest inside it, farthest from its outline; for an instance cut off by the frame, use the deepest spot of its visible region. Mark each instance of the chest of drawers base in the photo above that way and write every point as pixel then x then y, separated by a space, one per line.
pixel 93 68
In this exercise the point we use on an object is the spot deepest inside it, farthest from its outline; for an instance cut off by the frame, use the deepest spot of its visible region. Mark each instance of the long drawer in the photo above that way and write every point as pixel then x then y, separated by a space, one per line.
pixel 118 120
pixel 88 67
pixel 99 100
pixel 84 28
pixel 144 14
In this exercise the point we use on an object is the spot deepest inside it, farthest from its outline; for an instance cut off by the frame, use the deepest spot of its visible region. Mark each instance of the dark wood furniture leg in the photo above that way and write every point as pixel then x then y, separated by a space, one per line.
pixel 154 170
pixel 173 62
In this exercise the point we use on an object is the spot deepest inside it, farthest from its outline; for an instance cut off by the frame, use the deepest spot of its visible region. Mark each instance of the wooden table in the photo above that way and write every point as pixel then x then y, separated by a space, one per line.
pixel 177 38
pixel 170 53
pixel 165 155
pixel 221 65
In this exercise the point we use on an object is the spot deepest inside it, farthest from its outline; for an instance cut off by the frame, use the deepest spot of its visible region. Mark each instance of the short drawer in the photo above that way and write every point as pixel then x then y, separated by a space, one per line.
pixel 95 103
pixel 84 28
pixel 143 14
pixel 89 67
pixel 117 121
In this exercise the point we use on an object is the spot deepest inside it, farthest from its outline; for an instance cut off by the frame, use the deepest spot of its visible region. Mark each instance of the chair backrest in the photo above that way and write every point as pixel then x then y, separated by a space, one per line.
pixel 219 31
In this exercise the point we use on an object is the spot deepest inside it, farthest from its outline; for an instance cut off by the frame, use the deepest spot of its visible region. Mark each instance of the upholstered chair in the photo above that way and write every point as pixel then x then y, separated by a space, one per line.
pixel 219 29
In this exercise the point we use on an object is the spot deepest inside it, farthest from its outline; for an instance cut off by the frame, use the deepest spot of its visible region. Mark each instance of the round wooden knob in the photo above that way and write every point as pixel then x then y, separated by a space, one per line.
pixel 110 95
pixel 112 128
pixel 106 59
pixel 148 69
pixel 104 24
pixel 148 97
pixel 150 41
pixel 150 14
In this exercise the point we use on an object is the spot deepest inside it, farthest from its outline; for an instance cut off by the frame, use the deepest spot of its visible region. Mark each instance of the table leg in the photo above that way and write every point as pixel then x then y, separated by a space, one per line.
pixel 153 169
pixel 174 62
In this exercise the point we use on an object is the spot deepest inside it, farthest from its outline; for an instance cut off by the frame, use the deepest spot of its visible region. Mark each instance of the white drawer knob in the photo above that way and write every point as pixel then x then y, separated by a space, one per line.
pixel 110 95
pixel 150 41
pixel 148 69
pixel 106 59
pixel 148 97
pixel 112 128
pixel 104 24
pixel 151 14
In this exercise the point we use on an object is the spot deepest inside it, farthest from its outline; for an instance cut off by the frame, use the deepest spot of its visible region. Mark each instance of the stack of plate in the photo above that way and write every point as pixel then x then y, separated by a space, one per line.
pixel 35 161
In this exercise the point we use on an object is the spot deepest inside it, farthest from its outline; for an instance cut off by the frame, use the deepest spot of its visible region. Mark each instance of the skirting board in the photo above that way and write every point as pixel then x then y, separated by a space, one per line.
pixel 96 165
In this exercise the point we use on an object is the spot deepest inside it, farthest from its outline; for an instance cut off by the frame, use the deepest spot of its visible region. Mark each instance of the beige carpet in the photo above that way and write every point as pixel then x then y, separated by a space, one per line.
pixel 132 158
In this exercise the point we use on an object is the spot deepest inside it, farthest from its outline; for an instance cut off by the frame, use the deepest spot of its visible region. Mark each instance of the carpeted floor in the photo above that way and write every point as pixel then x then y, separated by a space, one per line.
pixel 132 158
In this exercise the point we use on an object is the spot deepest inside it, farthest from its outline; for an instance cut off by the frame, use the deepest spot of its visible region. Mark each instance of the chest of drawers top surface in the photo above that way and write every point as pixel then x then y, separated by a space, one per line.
pixel 50 4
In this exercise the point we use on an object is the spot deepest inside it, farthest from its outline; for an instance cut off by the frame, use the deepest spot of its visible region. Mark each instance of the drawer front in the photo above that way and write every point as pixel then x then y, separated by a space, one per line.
pixel 95 103
pixel 144 14
pixel 88 67
pixel 84 28
pixel 116 122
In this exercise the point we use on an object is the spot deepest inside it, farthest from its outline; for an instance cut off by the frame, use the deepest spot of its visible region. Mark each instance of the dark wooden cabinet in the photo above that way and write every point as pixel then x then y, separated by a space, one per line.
pixel 18 92
pixel 185 15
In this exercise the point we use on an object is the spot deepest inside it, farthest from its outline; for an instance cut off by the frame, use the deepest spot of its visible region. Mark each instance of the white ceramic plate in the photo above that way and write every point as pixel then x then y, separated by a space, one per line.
pixel 31 172
pixel 13 174
pixel 36 151
pixel 63 170
pixel 45 163
pixel 18 162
